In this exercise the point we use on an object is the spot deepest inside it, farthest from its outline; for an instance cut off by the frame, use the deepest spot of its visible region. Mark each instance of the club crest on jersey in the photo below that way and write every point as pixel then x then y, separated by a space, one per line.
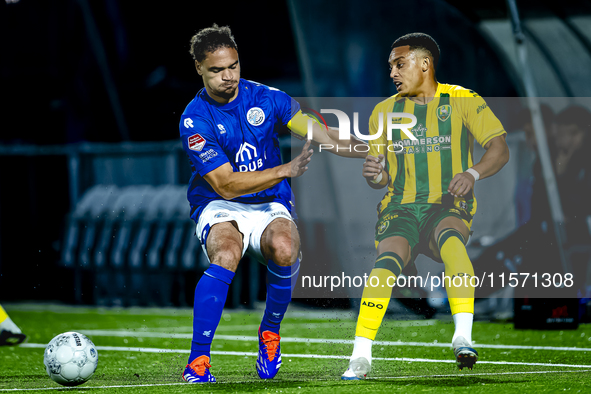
pixel 383 227
pixel 196 142
pixel 255 116
pixel 443 112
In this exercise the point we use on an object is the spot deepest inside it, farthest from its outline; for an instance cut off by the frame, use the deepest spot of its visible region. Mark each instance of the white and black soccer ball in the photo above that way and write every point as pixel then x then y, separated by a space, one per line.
pixel 70 359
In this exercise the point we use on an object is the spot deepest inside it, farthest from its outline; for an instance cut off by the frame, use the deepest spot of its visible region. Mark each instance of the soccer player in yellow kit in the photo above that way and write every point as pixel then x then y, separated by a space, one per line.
pixel 429 203
pixel 10 334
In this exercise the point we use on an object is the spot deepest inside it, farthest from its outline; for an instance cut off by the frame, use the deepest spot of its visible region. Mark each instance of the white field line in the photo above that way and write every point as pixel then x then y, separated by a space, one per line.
pixel 324 356
pixel 282 381
pixel 474 374
pixel 244 338
pixel 255 327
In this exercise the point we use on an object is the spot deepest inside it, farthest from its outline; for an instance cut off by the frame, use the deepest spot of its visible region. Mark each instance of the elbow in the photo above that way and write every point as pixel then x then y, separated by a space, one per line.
pixel 227 197
pixel 501 152
pixel 225 192
pixel 506 155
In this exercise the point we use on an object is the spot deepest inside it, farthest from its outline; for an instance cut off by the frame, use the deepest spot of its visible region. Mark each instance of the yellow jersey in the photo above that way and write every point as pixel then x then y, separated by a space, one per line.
pixel 420 170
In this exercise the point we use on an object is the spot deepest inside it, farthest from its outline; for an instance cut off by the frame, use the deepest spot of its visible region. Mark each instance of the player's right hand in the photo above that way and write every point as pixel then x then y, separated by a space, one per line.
pixel 299 164
pixel 372 167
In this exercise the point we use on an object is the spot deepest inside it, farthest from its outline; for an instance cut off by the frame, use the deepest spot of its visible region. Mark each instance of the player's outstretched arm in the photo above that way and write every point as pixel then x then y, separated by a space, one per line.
pixel 327 139
pixel 495 158
pixel 374 172
pixel 230 184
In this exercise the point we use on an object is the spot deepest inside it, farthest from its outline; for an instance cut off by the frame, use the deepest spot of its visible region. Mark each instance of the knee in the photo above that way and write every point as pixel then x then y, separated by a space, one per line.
pixel 398 245
pixel 453 224
pixel 228 256
pixel 447 233
pixel 284 250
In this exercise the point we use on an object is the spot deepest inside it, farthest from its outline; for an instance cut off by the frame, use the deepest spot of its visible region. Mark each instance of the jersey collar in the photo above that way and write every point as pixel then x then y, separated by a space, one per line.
pixel 438 91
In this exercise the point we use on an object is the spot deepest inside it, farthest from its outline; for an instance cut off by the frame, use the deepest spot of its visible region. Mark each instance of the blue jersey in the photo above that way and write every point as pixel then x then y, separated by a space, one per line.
pixel 244 133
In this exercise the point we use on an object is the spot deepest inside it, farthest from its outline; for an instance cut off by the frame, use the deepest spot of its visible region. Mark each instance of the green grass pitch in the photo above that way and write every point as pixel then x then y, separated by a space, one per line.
pixel 145 351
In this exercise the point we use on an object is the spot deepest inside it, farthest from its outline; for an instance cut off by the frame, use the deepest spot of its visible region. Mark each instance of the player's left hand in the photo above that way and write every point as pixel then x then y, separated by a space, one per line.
pixel 461 184
pixel 299 164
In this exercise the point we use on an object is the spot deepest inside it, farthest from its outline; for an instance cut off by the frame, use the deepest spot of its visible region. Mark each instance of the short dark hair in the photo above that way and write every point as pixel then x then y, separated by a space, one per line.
pixel 211 39
pixel 419 41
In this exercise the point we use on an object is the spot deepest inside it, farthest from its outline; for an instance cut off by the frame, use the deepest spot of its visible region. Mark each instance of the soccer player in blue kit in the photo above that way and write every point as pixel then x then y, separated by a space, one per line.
pixel 239 194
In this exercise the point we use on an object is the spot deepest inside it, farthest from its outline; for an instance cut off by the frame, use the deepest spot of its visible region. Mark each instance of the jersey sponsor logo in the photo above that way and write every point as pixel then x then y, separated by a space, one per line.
pixel 255 116
pixel 424 145
pixel 248 153
pixel 372 305
pixel 205 156
pixel 188 123
pixel 443 112
pixel 221 215
pixel 389 217
pixel 247 149
pixel 196 142
pixel 279 214
pixel 481 108
pixel 222 129
pixel 419 130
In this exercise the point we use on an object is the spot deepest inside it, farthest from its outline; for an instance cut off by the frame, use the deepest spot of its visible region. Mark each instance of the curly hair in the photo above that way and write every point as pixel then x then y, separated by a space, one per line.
pixel 211 39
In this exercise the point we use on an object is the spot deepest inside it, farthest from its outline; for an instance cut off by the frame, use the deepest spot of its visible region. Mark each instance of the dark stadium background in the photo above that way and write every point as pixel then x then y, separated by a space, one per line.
pixel 53 89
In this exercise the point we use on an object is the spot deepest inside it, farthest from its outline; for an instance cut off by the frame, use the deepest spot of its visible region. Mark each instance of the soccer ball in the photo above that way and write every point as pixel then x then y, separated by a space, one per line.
pixel 70 359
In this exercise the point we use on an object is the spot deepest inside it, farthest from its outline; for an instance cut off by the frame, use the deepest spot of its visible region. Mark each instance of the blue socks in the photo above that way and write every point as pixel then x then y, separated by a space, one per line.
pixel 280 284
pixel 210 298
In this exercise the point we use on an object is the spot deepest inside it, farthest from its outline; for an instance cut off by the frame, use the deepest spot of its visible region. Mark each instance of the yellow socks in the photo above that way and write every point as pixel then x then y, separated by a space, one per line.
pixel 459 292
pixel 458 268
pixel 3 314
pixel 376 298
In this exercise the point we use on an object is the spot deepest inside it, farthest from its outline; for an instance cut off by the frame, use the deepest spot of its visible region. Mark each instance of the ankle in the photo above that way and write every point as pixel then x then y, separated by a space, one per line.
pixel 362 348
